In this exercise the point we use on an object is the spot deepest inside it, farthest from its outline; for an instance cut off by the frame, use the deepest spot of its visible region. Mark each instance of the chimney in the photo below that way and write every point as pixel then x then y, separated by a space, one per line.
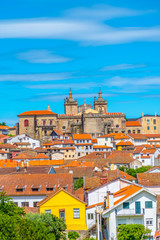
pixel 142 114
pixel 155 114
pixel 109 200
pixel 103 180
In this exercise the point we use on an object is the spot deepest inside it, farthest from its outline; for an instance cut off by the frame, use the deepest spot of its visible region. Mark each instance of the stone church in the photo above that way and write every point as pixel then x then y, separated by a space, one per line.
pixel 76 119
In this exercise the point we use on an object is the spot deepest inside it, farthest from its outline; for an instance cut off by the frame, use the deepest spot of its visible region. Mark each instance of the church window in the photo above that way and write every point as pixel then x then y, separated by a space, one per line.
pixel 26 123
pixel 129 131
pixel 44 122
pixel 51 123
pixel 138 131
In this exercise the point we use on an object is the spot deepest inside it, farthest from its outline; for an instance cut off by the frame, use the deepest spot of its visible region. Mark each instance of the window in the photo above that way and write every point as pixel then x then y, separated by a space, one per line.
pixel 149 221
pixel 154 121
pixel 76 213
pixel 51 123
pixel 25 204
pixel 129 131
pixel 155 128
pixel 48 211
pixel 148 121
pixel 79 154
pixel 134 131
pixel 148 128
pixel 90 215
pixel 26 123
pixel 126 205
pixel 45 132
pixel 44 122
pixel 138 131
pixel 16 203
pixel 117 126
pixel 62 213
pixel 35 204
pixel 148 204
pixel 63 127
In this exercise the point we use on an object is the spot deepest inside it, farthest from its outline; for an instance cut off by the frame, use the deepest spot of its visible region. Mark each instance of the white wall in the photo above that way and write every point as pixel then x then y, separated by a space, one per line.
pixel 24 138
pixel 30 199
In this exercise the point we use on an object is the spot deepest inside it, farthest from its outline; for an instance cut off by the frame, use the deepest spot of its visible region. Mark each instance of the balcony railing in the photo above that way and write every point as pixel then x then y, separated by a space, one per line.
pixel 127 212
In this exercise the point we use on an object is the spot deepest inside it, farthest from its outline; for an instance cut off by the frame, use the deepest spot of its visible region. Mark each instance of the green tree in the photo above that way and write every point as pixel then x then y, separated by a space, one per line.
pixel 73 235
pixel 8 207
pixel 133 172
pixel 78 183
pixel 132 232
pixel 56 226
pixel 3 124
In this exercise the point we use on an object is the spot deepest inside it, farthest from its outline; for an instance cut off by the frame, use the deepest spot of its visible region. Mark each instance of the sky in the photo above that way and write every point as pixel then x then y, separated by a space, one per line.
pixel 48 47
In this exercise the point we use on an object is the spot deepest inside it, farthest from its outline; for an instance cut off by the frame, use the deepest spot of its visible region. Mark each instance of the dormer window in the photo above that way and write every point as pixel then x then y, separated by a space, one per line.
pixel 50 188
pixel 35 188
pixel 20 188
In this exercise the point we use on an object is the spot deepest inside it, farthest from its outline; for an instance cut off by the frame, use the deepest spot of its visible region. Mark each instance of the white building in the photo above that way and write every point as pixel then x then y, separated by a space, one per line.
pixel 137 139
pixel 130 205
pixel 83 144
pixel 23 138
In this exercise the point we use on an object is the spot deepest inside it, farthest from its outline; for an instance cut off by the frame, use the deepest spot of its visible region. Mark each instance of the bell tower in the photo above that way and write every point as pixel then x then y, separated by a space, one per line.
pixel 70 105
pixel 100 104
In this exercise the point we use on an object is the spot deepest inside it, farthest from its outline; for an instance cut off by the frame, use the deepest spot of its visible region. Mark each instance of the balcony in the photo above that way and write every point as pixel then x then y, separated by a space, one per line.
pixel 130 212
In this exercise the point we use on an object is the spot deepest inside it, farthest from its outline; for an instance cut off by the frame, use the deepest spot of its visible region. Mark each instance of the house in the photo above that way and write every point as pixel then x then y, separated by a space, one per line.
pixel 22 145
pixel 83 144
pixel 123 145
pixel 23 138
pixel 4 130
pixel 57 134
pixel 137 139
pixel 130 205
pixel 101 148
pixel 67 206
pixel 23 157
pixel 148 156
pixel 133 127
pixel 3 137
pixel 153 138
pixel 5 155
pixel 41 156
pixel 7 147
pixel 29 189
pixel 112 139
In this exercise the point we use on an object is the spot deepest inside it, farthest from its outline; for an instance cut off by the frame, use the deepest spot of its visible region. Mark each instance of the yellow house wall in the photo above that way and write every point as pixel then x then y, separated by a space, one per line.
pixel 62 200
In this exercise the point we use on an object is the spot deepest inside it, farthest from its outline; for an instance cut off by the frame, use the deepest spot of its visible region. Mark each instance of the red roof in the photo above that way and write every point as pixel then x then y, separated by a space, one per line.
pixel 124 144
pixel 100 146
pixel 81 136
pixel 133 124
pixel 37 112
pixel 41 156
pixel 23 156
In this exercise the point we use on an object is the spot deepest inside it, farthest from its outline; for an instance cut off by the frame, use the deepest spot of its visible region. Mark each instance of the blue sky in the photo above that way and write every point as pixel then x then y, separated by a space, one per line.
pixel 48 46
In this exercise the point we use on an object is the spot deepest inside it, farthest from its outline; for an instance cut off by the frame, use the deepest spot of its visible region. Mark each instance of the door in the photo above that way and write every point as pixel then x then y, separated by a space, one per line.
pixel 137 207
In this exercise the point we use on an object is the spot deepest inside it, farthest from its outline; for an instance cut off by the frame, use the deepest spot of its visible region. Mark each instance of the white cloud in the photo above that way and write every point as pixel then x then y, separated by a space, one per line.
pixel 86 85
pixel 35 77
pixel 82 25
pixel 122 67
pixel 42 56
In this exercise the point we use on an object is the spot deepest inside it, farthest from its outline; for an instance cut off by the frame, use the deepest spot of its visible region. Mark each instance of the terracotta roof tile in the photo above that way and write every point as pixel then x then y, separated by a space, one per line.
pixel 127 143
pixel 137 136
pixel 41 156
pixel 37 112
pixel 81 136
pixel 23 156
pixel 149 179
pixel 100 146
pixel 133 124
pixel 58 132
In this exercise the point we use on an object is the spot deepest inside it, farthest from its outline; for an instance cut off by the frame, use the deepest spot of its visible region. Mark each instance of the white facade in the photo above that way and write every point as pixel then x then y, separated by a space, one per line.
pixel 148 159
pixel 117 215
pixel 107 141
pixel 28 200
pixel 23 138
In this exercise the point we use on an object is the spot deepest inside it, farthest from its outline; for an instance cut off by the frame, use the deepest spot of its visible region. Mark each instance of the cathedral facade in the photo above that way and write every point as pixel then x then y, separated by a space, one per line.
pixel 76 119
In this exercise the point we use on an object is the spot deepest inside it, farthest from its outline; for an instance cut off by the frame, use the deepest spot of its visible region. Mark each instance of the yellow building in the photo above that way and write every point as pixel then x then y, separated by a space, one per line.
pixel 65 205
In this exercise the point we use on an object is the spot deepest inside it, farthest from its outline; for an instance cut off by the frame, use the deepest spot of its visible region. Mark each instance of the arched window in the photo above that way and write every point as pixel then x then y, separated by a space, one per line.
pixel 26 123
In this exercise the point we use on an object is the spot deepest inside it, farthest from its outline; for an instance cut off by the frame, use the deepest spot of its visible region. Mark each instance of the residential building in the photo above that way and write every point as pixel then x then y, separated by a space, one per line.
pixel 133 127
pixel 83 144
pixel 23 138
pixel 5 155
pixel 29 189
pixel 130 205
pixel 150 123
pixel 137 139
pixel 112 139
pixel 148 156
pixel 67 206
pixel 102 148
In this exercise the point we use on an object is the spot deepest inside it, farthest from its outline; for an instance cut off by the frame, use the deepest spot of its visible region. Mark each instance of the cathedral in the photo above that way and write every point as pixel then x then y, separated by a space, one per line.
pixel 76 119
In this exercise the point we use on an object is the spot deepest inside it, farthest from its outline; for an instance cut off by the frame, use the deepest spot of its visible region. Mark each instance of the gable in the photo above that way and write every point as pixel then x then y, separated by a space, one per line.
pixel 62 198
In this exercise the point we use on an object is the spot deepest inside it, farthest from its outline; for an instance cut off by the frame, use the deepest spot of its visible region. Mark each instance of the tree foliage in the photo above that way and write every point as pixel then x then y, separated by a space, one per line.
pixel 2 124
pixel 133 172
pixel 56 226
pixel 132 232
pixel 78 183
pixel 15 224
pixel 73 235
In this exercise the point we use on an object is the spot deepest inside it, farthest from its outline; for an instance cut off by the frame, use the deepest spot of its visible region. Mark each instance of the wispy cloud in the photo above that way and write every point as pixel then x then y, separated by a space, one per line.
pixel 122 67
pixel 83 25
pixel 42 56
pixel 35 77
